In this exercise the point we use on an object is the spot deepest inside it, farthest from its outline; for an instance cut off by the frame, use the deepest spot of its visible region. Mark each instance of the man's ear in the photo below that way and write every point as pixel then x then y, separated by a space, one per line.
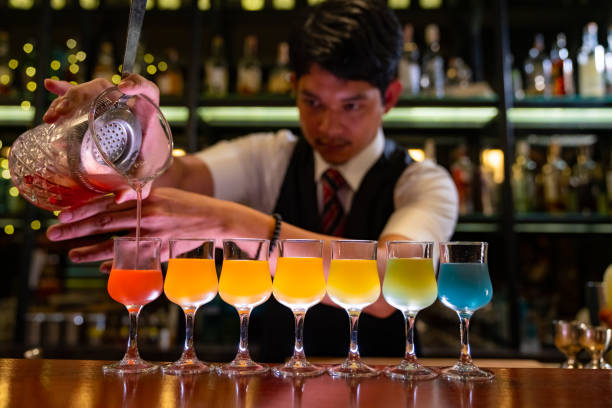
pixel 392 94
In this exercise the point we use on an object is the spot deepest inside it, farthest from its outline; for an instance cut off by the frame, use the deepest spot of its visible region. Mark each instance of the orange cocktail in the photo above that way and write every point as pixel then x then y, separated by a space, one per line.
pixel 134 281
pixel 190 282
pixel 135 287
pixel 299 283
pixel 245 283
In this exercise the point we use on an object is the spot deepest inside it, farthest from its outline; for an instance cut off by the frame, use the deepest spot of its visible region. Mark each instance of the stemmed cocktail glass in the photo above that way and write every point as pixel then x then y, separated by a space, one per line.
pixel 410 286
pixel 134 281
pixel 245 283
pixel 464 286
pixel 191 281
pixel 567 340
pixel 299 283
pixel 353 284
pixel 596 339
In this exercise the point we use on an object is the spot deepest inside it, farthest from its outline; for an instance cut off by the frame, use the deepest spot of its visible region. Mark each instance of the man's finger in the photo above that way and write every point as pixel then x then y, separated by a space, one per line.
pixel 57 87
pixel 136 84
pixel 97 224
pixel 92 253
pixel 105 267
pixel 102 204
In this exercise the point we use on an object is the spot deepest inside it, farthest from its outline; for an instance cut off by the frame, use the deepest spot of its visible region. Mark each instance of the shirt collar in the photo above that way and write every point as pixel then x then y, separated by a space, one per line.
pixel 356 168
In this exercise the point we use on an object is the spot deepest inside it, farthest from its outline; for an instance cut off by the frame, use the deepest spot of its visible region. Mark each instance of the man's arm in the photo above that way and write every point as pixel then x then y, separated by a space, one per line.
pixel 188 173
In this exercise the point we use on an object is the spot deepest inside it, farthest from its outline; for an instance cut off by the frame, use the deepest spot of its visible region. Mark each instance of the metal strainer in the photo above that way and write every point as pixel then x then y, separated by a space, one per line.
pixel 119 137
pixel 116 131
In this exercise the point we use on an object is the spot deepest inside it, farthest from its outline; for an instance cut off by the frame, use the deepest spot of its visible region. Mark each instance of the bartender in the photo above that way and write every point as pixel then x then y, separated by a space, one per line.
pixel 341 178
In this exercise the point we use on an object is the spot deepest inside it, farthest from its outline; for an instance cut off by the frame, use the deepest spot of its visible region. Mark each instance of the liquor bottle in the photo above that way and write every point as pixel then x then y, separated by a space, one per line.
pixel 462 171
pixel 105 65
pixel 586 181
pixel 432 76
pixel 591 64
pixel 170 81
pixel 409 70
pixel 537 70
pixel 562 74
pixel 279 81
pixel 249 69
pixel 216 70
pixel 517 80
pixel 609 63
pixel 523 179
pixel 430 149
pixel 458 74
pixel 555 180
pixel 6 75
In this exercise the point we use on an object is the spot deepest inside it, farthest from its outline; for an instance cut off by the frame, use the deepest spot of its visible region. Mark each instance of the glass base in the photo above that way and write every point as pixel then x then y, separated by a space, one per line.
pixel 466 372
pixel 298 368
pixel 242 367
pixel 128 366
pixel 352 369
pixel 600 365
pixel 575 364
pixel 410 371
pixel 190 366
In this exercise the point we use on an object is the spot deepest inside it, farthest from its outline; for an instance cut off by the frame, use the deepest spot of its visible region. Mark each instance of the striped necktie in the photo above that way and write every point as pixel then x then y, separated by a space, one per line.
pixel 333 218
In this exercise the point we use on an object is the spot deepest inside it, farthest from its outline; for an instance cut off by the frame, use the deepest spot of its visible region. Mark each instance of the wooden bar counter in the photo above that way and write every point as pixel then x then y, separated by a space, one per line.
pixel 81 383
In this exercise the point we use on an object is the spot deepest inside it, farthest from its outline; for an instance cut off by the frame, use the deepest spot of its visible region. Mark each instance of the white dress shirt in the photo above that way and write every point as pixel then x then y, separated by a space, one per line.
pixel 251 170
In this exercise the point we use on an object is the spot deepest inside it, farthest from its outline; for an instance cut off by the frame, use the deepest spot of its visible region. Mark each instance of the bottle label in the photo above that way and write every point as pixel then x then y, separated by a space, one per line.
pixel 249 80
pixel 591 79
pixel 217 81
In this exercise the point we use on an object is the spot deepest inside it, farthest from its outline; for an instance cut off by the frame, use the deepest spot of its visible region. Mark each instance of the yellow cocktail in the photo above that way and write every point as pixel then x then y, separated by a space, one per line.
pixel 353 283
pixel 299 283
pixel 410 283
pixel 410 286
pixel 190 282
pixel 245 283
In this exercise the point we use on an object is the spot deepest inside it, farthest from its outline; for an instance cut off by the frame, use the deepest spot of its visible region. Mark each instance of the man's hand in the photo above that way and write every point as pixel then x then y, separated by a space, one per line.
pixel 166 213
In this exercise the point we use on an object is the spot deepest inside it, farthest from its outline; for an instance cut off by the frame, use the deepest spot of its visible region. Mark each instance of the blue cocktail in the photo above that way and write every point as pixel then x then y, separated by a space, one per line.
pixel 464 286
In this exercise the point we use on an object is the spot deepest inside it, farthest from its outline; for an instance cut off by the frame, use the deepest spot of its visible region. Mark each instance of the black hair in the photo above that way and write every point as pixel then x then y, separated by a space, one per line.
pixel 352 39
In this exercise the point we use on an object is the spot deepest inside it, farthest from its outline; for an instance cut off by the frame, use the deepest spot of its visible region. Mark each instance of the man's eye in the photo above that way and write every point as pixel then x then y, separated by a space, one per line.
pixel 311 103
pixel 352 107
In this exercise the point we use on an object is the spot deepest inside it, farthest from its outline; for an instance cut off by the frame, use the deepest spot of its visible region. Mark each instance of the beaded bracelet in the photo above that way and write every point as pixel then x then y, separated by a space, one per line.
pixel 277 227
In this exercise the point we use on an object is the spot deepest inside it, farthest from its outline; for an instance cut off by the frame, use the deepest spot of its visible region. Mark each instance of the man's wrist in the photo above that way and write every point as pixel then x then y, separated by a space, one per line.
pixel 276 231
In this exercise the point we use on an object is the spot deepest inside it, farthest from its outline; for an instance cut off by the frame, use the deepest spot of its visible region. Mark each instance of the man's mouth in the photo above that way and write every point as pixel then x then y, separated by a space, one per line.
pixel 332 144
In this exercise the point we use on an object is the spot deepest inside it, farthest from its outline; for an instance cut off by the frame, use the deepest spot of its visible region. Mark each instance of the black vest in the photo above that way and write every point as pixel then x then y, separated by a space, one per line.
pixel 326 330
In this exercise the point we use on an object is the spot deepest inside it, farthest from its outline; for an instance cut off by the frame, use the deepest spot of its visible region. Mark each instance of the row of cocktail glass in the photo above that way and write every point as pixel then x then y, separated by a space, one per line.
pixel 299 283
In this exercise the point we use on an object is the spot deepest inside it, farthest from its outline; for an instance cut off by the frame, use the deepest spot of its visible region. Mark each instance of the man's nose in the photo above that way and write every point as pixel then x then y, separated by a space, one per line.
pixel 331 123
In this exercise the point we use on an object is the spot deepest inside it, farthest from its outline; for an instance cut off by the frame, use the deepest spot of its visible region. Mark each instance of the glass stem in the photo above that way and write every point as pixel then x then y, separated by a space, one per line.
pixel 596 359
pixel 132 346
pixel 409 318
pixel 354 348
pixel 188 350
pixel 571 361
pixel 298 348
pixel 243 347
pixel 464 319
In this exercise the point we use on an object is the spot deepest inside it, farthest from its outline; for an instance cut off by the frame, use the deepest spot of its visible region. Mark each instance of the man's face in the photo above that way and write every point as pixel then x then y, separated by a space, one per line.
pixel 338 117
